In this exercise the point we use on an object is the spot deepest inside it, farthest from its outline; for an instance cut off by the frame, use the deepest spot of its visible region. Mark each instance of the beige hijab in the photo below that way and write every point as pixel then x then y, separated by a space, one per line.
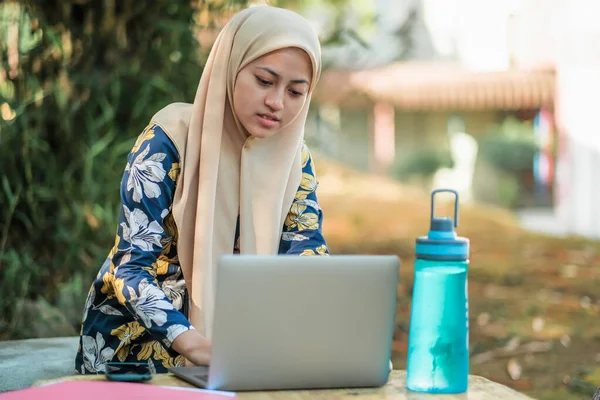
pixel 223 170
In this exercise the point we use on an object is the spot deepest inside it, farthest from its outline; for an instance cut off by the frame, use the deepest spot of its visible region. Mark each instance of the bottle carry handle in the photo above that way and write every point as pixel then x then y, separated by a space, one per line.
pixel 455 193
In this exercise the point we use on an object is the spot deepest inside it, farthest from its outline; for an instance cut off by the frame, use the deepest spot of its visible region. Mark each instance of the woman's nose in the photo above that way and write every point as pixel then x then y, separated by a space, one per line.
pixel 274 100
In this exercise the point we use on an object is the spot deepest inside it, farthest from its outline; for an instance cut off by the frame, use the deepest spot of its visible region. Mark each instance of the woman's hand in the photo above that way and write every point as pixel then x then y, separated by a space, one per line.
pixel 193 346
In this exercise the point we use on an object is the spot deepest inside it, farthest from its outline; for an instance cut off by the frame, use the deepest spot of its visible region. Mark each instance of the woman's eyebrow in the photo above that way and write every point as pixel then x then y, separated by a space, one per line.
pixel 276 75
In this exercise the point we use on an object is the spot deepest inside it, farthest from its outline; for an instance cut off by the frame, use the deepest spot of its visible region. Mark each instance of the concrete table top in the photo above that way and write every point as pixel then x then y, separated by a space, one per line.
pixel 25 363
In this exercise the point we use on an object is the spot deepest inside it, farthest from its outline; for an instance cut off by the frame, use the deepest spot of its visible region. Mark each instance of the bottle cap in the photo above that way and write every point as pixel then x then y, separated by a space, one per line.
pixel 442 243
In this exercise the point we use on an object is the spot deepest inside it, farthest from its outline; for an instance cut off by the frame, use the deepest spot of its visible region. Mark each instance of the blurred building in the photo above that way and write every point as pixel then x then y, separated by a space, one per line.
pixel 477 62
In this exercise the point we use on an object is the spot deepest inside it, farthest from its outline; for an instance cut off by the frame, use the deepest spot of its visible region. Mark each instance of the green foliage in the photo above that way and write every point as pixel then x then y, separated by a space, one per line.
pixel 349 29
pixel 582 382
pixel 76 88
pixel 510 146
pixel 508 190
pixel 423 163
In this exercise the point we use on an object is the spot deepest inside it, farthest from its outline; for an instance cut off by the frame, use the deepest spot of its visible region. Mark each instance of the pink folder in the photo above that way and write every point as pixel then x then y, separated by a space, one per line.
pixel 103 390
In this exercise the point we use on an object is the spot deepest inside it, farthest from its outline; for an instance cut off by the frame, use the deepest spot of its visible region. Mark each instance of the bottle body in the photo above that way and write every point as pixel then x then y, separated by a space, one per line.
pixel 438 348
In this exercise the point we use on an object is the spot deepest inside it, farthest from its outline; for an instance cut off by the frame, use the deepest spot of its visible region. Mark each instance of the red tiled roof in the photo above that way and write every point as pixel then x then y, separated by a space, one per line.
pixel 427 86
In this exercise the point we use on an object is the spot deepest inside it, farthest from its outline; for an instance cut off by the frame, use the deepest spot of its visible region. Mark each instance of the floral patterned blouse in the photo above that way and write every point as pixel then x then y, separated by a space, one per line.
pixel 137 305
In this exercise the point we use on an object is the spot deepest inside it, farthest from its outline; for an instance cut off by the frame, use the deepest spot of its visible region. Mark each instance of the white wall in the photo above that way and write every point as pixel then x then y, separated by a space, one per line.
pixel 566 34
pixel 578 118
pixel 475 31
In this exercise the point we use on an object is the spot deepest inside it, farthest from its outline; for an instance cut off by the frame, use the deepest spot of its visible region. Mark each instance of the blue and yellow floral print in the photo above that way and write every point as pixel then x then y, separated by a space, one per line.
pixel 136 306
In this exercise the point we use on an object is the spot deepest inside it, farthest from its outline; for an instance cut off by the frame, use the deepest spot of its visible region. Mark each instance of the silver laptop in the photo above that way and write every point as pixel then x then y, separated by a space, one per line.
pixel 289 322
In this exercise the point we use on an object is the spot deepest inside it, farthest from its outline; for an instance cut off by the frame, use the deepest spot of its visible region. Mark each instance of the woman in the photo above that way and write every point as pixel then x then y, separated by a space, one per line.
pixel 228 173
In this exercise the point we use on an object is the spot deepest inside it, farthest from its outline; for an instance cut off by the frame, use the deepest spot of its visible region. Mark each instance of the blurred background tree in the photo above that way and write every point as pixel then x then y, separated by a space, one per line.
pixel 510 147
pixel 351 31
pixel 423 164
pixel 79 80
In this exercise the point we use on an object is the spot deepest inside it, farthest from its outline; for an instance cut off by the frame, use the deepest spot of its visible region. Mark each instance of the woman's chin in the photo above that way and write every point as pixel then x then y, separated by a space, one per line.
pixel 262 133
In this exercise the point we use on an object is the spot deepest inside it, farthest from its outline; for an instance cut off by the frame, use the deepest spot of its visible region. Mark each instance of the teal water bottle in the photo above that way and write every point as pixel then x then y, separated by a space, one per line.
pixel 438 343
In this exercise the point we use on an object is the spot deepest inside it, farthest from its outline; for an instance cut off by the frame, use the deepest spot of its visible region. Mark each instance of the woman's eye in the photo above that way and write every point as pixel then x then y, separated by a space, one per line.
pixel 295 93
pixel 262 81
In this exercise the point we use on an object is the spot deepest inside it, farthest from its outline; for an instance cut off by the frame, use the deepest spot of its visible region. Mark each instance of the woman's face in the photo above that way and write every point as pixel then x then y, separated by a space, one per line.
pixel 270 91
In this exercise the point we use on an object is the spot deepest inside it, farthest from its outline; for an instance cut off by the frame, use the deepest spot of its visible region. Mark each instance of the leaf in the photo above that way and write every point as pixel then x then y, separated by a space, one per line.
pixel 7 191
pixel 110 310
pixel 538 324
pixel 514 369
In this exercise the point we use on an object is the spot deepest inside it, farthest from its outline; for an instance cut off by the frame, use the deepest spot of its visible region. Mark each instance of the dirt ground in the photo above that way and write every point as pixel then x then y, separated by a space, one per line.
pixel 534 300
